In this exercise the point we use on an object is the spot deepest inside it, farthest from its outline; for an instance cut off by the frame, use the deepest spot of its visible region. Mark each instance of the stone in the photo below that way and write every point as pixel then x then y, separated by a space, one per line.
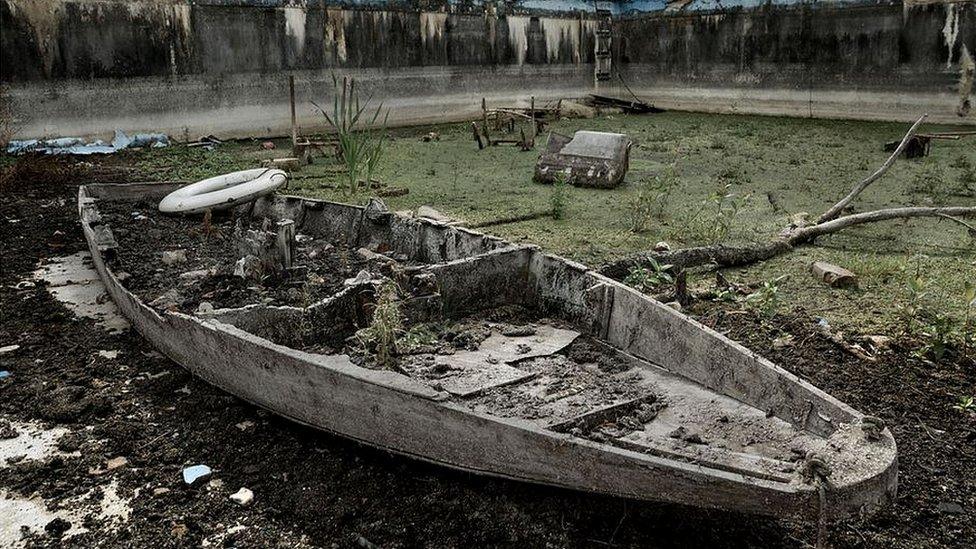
pixel 116 462
pixel 8 349
pixel 160 491
pixel 196 474
pixel 110 355
pixel 172 257
pixel 783 342
pixel 572 109
pixel 662 246
pixel 832 275
pixel 377 212
pixel 248 266
pixel 289 164
pixel 242 497
pixel 191 276
pixel 435 215
pixel 951 508
pixel 268 145
pixel 168 301
pixel 205 308
pixel 674 305
pixel 362 277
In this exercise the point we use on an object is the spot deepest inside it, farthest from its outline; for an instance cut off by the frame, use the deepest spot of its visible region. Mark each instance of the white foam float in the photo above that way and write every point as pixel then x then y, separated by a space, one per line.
pixel 224 191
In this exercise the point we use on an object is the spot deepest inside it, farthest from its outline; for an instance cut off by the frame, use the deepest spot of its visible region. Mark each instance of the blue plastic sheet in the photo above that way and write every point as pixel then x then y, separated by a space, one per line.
pixel 76 145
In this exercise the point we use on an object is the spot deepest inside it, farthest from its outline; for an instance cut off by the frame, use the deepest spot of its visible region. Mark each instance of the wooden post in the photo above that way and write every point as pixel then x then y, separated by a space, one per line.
pixel 294 121
pixel 532 108
pixel 286 242
pixel 484 119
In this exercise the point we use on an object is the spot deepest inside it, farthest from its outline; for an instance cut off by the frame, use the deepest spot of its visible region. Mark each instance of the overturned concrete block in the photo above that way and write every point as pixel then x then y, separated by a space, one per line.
pixel 588 159
pixel 836 277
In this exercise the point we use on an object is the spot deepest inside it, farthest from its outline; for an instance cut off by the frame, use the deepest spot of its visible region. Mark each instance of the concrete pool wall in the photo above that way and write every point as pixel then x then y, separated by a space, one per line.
pixel 197 67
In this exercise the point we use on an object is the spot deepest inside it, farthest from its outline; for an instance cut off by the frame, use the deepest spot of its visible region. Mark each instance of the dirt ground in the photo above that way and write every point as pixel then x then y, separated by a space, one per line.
pixel 317 490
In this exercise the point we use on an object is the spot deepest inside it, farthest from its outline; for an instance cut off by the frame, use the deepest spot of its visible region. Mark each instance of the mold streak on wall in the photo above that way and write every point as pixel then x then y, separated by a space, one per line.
pixel 518 37
pixel 220 66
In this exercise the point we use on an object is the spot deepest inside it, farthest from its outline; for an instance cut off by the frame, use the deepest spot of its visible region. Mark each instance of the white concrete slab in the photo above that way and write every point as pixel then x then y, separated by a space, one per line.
pixel 73 281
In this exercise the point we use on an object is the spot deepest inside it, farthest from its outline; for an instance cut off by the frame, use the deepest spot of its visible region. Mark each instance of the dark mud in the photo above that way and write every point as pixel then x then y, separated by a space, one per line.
pixel 211 251
pixel 313 489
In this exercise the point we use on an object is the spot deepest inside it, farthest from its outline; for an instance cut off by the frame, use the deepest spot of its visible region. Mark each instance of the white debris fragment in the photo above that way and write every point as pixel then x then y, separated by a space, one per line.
pixel 8 349
pixel 242 497
pixel 196 473
pixel 172 257
pixel 111 355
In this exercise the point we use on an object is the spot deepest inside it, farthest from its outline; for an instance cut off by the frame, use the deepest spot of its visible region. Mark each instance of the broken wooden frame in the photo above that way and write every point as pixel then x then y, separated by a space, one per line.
pixel 666 355
pixel 510 119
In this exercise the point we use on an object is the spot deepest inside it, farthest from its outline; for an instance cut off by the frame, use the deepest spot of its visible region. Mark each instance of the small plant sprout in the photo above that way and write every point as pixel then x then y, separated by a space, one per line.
pixel 557 200
pixel 652 198
pixel 386 327
pixel 647 279
pixel 967 405
pixel 766 299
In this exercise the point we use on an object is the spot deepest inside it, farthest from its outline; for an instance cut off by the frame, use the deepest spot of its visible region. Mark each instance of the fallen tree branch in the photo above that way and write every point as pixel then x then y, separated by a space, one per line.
pixel 721 255
pixel 970 228
pixel 835 210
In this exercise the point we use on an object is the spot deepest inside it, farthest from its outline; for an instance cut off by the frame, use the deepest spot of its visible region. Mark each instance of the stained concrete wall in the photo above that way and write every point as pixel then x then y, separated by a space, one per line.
pixel 83 67
pixel 195 67
pixel 865 60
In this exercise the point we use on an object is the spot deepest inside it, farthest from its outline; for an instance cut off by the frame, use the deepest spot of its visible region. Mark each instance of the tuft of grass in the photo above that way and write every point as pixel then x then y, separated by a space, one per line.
pixel 360 141
pixel 647 279
pixel 766 299
pixel 557 201
pixel 386 326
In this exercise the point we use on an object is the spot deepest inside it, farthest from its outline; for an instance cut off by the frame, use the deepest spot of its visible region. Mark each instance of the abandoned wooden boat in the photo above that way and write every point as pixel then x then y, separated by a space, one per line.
pixel 658 407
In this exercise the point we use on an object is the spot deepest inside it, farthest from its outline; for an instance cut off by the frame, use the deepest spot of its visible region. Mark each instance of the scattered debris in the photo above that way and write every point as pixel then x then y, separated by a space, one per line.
pixel 289 164
pixel 431 136
pixel 662 246
pixel 635 106
pixel 242 497
pixel 433 214
pixel 196 474
pixel 834 276
pixel 78 146
pixel 8 349
pixel 268 145
pixel 783 342
pixel 4 374
pixel 172 257
pixel 170 300
pixel 392 191
pixel 110 355
pixel 588 159
pixel 7 431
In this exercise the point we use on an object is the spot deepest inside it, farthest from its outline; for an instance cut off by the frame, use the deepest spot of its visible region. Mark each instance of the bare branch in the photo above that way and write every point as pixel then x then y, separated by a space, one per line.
pixel 835 210
pixel 806 234
pixel 733 256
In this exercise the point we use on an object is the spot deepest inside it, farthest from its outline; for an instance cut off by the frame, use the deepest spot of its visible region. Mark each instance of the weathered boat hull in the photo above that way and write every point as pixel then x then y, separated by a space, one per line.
pixel 394 412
